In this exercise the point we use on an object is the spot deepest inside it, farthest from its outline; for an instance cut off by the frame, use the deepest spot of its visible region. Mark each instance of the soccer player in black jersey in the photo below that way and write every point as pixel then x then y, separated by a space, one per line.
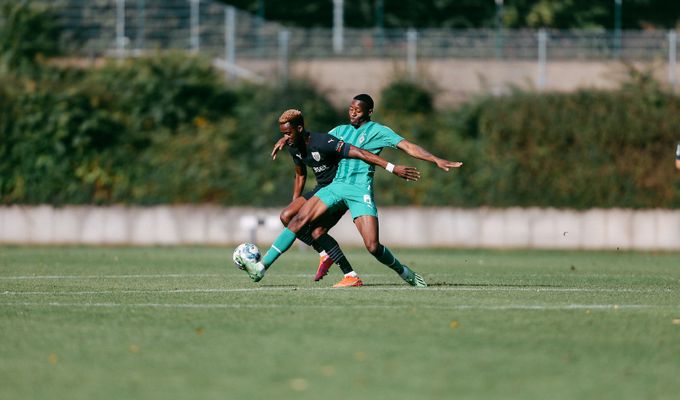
pixel 353 185
pixel 322 152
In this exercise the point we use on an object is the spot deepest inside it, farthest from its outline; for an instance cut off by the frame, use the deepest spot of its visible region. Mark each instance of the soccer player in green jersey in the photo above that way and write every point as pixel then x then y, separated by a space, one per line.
pixel 353 185
pixel 322 153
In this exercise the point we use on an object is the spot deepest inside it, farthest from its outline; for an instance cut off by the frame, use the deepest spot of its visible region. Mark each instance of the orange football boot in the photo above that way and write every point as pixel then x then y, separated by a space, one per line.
pixel 349 281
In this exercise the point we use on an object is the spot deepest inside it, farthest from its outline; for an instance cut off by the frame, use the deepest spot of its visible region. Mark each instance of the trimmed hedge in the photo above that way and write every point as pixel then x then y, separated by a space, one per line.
pixel 29 35
pixel 163 129
pixel 591 148
pixel 166 129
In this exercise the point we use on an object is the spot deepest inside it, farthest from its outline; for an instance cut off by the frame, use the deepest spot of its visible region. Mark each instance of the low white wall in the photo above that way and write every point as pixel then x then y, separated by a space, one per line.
pixel 457 79
pixel 405 227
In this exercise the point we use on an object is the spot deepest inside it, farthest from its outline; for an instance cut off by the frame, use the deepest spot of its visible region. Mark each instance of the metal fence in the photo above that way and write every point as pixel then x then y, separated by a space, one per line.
pixel 130 27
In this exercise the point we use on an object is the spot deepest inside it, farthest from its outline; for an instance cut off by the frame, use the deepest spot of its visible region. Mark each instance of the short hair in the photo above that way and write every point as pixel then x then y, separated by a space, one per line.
pixel 366 99
pixel 292 116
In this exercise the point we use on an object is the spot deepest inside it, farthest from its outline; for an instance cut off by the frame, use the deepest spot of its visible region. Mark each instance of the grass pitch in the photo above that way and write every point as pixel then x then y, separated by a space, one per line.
pixel 183 323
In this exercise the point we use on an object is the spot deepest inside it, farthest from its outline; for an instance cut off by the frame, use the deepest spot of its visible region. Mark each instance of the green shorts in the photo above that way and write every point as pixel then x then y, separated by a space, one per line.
pixel 358 199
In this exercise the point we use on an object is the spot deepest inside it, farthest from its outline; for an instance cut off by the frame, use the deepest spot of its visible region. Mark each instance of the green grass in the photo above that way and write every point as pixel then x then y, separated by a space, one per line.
pixel 183 323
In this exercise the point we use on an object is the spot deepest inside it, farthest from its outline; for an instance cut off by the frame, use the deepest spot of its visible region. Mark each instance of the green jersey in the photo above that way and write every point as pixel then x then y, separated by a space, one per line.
pixel 372 137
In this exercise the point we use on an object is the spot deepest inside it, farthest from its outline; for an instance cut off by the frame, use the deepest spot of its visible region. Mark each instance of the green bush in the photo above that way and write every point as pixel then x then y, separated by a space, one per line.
pixel 166 129
pixel 406 96
pixel 585 149
pixel 28 35
pixel 230 161
pixel 147 131
pixel 162 90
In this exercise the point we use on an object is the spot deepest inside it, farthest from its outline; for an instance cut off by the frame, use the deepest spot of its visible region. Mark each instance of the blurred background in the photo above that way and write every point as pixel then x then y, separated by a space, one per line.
pixel 565 113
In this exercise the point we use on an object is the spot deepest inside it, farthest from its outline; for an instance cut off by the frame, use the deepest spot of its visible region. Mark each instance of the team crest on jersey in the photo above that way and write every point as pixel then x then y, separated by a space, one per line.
pixel 361 139
pixel 316 156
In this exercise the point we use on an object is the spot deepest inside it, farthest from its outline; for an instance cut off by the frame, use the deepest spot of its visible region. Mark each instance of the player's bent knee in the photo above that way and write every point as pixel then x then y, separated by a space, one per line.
pixel 285 217
pixel 297 223
pixel 373 247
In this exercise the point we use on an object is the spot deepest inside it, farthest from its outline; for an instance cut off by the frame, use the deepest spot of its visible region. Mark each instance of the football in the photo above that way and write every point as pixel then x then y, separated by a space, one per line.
pixel 246 251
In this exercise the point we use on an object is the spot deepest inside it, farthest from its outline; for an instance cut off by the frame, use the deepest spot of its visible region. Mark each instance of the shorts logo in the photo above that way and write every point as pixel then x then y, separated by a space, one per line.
pixel 316 156
pixel 367 199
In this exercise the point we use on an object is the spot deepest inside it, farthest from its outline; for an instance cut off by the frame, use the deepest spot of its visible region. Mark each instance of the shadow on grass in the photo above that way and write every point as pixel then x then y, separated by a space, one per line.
pixel 484 285
pixel 464 285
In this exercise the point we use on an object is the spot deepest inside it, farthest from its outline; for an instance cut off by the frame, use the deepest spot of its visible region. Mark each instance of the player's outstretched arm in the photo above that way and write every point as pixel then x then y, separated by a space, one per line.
pixel 416 151
pixel 404 172
pixel 278 147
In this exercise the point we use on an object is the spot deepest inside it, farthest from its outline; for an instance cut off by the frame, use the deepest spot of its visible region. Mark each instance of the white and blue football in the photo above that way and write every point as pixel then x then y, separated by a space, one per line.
pixel 246 252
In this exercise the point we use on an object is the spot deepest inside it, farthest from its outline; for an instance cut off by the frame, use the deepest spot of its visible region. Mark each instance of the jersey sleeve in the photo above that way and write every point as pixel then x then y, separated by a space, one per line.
pixel 386 137
pixel 331 144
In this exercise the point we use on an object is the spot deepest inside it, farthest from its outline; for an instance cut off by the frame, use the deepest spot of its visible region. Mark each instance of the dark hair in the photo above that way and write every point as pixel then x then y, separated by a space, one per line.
pixel 365 99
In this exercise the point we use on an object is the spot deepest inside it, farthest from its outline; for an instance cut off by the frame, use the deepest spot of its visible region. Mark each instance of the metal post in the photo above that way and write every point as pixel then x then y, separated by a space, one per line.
pixel 411 52
pixel 672 59
pixel 284 36
pixel 195 38
pixel 229 39
pixel 379 27
pixel 617 27
pixel 120 28
pixel 499 28
pixel 338 26
pixel 141 25
pixel 259 31
pixel 260 9
pixel 542 55
pixel 380 14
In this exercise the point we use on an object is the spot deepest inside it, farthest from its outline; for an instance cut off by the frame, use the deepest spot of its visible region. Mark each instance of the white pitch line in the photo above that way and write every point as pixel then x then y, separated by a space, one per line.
pixel 296 275
pixel 535 307
pixel 365 288
pixel 27 277
pixel 37 277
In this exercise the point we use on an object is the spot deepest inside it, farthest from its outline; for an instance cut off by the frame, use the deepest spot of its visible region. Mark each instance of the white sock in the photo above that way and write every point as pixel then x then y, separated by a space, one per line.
pixel 406 273
pixel 352 274
pixel 323 253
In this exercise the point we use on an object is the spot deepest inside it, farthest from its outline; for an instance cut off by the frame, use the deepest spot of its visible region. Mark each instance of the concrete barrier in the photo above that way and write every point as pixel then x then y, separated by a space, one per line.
pixel 530 228
pixel 457 80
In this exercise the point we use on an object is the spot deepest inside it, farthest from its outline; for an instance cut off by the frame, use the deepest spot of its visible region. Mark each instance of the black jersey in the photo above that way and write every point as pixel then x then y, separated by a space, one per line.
pixel 322 154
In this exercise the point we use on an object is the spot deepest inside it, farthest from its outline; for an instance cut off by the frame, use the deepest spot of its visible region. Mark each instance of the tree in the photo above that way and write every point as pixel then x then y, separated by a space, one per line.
pixel 560 14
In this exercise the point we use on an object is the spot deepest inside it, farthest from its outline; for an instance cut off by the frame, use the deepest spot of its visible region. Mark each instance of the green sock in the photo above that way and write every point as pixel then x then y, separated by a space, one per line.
pixel 386 257
pixel 280 245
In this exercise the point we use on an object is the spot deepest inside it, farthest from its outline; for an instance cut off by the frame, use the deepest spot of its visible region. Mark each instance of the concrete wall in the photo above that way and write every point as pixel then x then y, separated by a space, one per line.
pixel 405 227
pixel 457 79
